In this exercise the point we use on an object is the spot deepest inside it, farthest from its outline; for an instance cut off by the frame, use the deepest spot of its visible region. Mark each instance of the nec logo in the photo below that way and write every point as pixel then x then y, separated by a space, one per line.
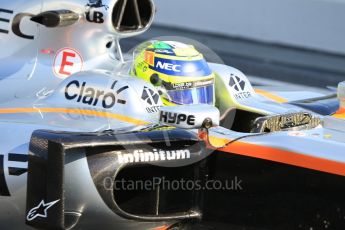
pixel 168 66
pixel 175 118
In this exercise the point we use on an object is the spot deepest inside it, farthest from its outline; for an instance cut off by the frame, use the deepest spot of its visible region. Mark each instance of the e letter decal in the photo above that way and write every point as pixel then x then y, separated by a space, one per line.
pixel 67 61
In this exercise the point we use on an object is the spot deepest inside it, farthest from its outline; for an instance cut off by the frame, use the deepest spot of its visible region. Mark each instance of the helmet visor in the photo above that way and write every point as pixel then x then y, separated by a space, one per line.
pixel 201 95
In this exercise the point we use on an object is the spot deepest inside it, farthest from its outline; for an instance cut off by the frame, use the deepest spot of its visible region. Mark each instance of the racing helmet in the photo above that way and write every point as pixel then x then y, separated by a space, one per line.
pixel 179 72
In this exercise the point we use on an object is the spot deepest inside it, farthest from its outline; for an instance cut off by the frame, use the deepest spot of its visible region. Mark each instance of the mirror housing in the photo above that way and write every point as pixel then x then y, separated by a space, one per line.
pixel 190 116
pixel 56 18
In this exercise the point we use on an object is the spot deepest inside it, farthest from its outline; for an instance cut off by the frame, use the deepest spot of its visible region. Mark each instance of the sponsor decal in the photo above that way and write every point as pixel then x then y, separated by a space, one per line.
pixel 97 4
pixel 141 64
pixel 94 17
pixel 198 68
pixel 239 85
pixel 5 18
pixel 188 85
pixel 67 61
pixel 41 210
pixel 168 66
pixel 153 109
pixel 175 118
pixel 150 96
pixel 182 85
pixel 81 93
pixel 204 83
pixel 165 51
pixel 13 171
pixel 156 155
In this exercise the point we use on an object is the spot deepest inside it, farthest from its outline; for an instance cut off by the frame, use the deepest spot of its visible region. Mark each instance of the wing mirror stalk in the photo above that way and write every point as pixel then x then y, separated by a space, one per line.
pixel 56 18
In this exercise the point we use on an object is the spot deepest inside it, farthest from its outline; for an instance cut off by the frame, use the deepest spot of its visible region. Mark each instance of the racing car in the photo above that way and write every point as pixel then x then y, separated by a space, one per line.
pixel 77 123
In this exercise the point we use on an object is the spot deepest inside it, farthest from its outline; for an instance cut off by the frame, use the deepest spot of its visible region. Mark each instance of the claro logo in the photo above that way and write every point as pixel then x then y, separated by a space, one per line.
pixel 156 155
pixel 81 93
pixel 175 118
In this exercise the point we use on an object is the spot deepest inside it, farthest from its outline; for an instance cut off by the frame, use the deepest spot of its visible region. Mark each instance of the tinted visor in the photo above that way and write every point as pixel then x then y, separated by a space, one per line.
pixel 201 95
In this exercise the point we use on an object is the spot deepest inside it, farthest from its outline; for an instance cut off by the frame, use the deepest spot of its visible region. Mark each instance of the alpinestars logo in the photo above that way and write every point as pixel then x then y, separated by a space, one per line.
pixel 40 210
pixel 155 156
pixel 150 96
pixel 237 83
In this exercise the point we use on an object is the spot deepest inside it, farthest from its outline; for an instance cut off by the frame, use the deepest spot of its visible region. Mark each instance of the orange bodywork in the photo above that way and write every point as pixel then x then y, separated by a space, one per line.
pixel 285 157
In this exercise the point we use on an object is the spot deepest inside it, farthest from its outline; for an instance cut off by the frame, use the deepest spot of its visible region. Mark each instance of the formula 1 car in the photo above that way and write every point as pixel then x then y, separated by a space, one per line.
pixel 74 125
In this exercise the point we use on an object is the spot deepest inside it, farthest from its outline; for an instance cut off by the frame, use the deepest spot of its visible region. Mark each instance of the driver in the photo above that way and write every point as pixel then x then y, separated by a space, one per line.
pixel 179 72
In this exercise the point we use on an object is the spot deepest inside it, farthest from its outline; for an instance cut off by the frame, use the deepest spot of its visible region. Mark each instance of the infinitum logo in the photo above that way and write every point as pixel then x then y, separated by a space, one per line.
pixel 156 155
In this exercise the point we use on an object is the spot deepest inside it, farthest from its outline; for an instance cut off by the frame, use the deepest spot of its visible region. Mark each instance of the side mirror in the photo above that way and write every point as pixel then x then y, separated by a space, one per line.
pixel 190 116
pixel 56 18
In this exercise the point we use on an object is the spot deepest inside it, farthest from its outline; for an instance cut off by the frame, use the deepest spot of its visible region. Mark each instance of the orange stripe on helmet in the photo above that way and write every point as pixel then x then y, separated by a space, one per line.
pixel 149 57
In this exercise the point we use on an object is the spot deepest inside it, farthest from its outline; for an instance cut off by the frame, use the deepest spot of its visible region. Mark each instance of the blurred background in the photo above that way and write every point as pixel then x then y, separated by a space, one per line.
pixel 296 41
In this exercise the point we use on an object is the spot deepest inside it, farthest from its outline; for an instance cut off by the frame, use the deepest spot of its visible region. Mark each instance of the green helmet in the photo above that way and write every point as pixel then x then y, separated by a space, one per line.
pixel 179 71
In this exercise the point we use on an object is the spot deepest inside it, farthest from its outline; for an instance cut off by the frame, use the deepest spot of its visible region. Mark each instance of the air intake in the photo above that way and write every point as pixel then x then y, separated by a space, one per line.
pixel 132 15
